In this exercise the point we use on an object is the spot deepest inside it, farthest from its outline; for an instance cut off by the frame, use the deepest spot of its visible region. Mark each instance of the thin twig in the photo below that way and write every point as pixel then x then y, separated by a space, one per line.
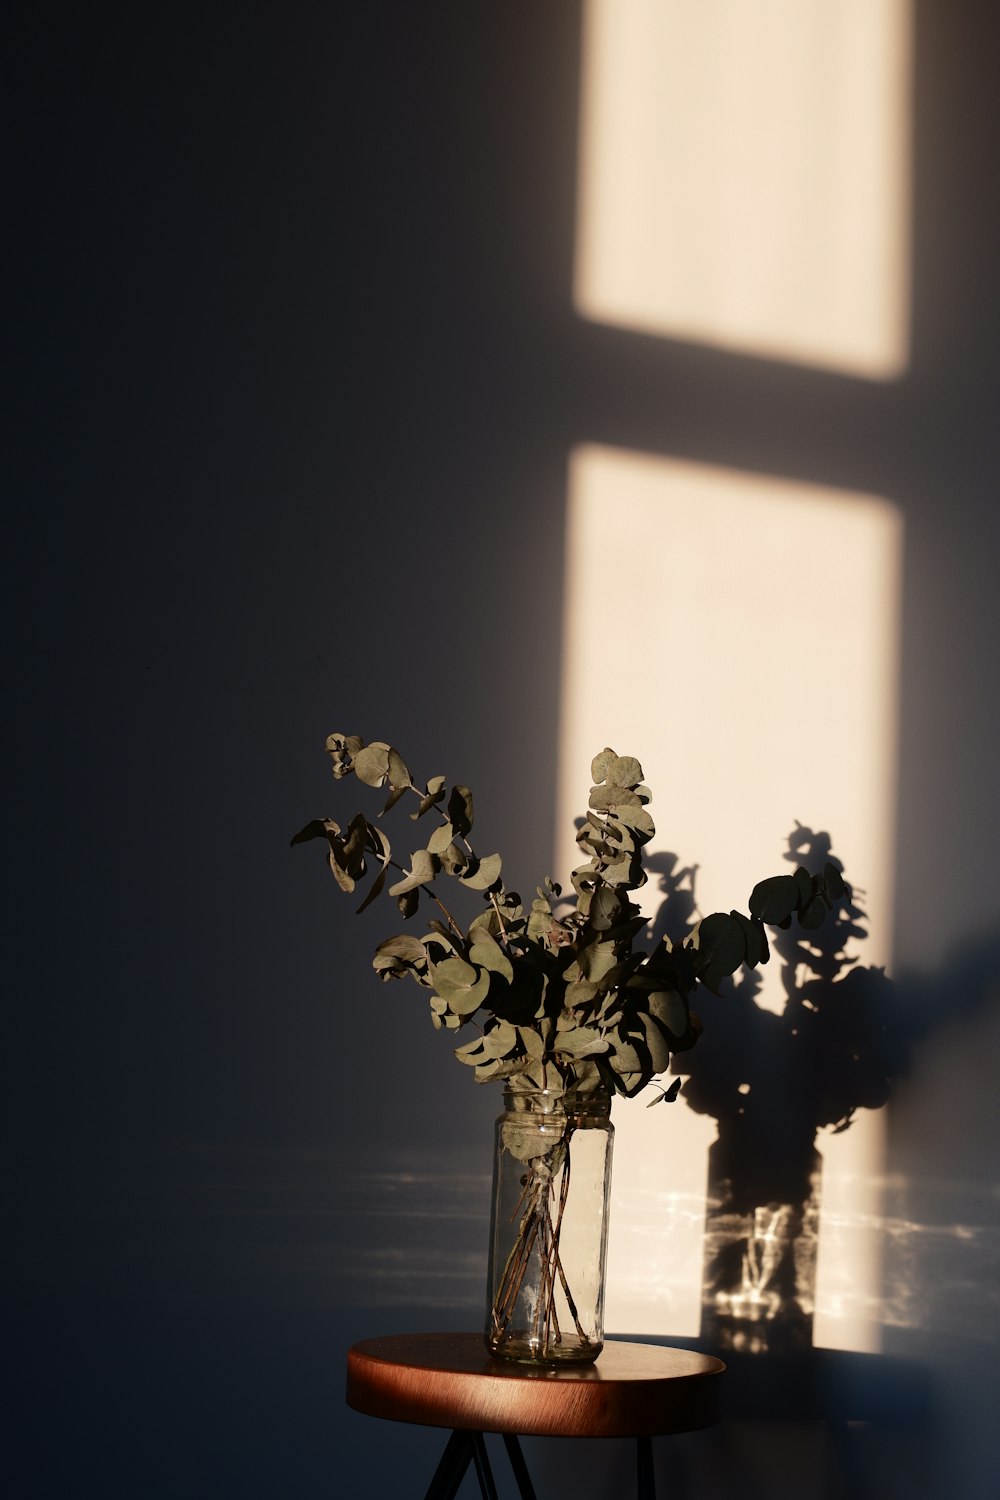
pixel 511 1283
pixel 539 1234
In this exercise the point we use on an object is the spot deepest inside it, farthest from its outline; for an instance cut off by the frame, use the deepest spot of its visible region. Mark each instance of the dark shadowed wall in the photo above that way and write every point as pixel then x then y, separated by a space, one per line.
pixel 295 374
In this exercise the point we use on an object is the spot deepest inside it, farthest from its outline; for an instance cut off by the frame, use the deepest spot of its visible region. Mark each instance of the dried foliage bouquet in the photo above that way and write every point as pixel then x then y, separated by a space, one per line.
pixel 560 995
pixel 563 1002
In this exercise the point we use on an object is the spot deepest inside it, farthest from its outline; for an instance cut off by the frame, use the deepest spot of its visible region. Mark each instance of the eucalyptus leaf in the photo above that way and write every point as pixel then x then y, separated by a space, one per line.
pixel 374 891
pixel 582 1041
pixel 377 841
pixel 656 1043
pixel 624 932
pixel 754 940
pixel 371 764
pixel 422 869
pixel 581 992
pixel 394 796
pixel 507 1067
pixel 599 765
pixel 431 797
pixel 351 852
pixel 454 972
pixel 625 1057
pixel 454 860
pixel 531 1041
pixel 441 934
pixel 342 749
pixel 399 776
pixel 399 957
pixel 597 959
pixel 461 985
pixel 319 828
pixel 605 908
pixel 631 1084
pixel 403 946
pixel 408 901
pixel 636 818
pixel 774 900
pixel 440 839
pixel 670 1009
pixel 527 1140
pixel 460 810
pixel 488 954
pixel 624 770
pixel 723 946
pixel 487 921
pixel 668 1095
pixel 540 922
pixel 604 797
pixel 472 1053
pixel 484 873
pixel 500 1040
pixel 340 875
pixel 626 873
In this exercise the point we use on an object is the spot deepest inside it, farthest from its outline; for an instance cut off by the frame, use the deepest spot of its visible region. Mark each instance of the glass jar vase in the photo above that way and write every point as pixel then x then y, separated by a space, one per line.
pixel 549 1226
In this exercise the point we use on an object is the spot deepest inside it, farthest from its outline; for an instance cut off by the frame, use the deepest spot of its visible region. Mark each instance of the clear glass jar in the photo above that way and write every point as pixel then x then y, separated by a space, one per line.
pixel 549 1226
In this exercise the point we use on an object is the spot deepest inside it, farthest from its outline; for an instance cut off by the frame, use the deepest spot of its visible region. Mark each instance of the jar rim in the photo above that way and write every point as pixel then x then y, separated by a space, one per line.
pixel 600 1096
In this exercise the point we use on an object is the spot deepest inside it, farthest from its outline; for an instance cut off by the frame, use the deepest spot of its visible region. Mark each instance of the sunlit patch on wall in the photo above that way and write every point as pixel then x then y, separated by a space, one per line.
pixel 744 176
pixel 739 634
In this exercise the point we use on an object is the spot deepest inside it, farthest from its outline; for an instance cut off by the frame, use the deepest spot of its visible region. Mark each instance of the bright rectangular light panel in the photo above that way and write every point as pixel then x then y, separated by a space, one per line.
pixel 744 176
pixel 739 635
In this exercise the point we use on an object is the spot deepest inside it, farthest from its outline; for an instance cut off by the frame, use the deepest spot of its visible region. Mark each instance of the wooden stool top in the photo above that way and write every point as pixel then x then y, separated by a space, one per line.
pixel 449 1380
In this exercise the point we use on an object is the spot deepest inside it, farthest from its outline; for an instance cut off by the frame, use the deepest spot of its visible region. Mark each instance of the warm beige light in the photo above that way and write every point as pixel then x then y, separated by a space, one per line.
pixel 744 175
pixel 739 634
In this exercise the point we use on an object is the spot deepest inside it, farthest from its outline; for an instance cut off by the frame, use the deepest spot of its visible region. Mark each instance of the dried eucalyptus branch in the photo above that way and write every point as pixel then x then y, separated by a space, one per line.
pixel 563 995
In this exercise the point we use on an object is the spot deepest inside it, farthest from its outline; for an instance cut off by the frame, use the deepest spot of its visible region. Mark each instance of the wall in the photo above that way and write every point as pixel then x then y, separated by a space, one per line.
pixel 297 374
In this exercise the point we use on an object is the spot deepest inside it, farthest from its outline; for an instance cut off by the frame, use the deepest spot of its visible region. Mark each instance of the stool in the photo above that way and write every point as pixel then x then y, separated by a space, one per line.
pixel 449 1380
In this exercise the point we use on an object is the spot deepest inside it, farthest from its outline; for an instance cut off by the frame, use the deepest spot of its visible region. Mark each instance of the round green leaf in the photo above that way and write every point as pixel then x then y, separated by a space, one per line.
pixel 422 869
pixel 403 946
pixel 624 770
pixel 774 900
pixel 723 947
pixel 371 765
pixel 599 765
pixel 399 776
pixel 484 874
pixel 670 1010
pixel 440 839
pixel 488 954
pixel 460 985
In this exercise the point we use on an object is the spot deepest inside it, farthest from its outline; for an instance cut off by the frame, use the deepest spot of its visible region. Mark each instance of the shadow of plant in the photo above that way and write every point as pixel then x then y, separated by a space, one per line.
pixel 771 1081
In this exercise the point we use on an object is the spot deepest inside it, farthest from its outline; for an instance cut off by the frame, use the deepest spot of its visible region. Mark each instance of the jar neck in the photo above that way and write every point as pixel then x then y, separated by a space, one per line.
pixel 558 1101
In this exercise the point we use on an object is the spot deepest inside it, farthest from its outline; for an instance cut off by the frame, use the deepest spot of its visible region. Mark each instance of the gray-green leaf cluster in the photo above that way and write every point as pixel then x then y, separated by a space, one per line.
pixel 558 992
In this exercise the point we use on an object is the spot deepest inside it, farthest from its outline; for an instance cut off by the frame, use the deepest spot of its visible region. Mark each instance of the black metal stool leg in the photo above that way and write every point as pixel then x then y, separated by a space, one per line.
pixel 646 1479
pixel 525 1487
pixel 483 1471
pixel 451 1469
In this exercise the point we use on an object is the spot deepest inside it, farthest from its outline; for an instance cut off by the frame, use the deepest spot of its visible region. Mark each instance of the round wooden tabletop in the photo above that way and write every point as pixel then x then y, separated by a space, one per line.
pixel 449 1380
